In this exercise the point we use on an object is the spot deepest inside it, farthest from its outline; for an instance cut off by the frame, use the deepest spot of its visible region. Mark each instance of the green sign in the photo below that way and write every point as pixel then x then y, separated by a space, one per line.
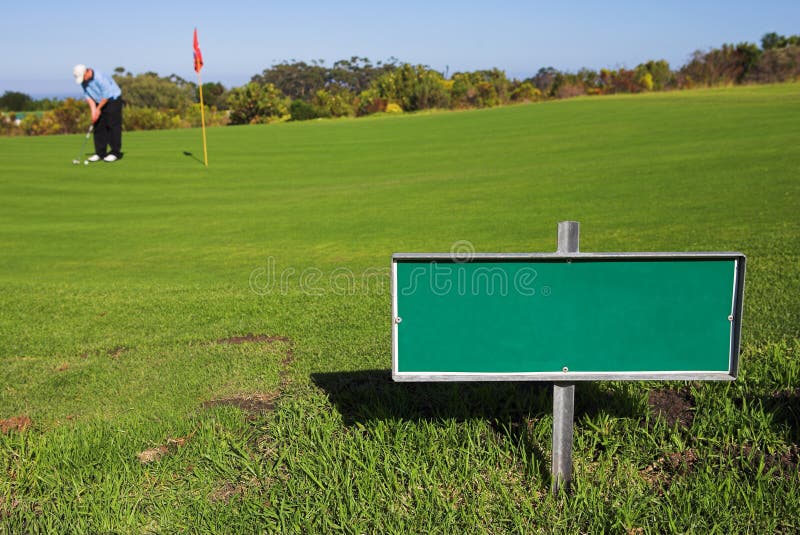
pixel 567 317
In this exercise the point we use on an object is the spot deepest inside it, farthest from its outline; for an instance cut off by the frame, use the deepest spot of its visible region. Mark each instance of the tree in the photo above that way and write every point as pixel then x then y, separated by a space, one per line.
pixel 297 80
pixel 356 74
pixel 525 92
pixel 16 101
pixel 725 65
pixel 153 91
pixel 544 78
pixel 776 65
pixel 333 103
pixel 214 94
pixel 772 40
pixel 301 80
pixel 661 76
pixel 411 87
pixel 257 104
pixel 481 89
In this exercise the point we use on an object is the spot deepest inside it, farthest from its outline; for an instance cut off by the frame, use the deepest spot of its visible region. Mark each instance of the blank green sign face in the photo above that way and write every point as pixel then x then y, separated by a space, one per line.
pixel 582 316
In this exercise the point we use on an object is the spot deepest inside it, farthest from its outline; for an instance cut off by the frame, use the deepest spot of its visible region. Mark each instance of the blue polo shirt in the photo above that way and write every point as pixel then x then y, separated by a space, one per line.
pixel 100 87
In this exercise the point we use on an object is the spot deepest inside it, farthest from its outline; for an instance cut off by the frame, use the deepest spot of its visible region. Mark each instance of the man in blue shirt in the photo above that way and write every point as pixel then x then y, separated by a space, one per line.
pixel 105 101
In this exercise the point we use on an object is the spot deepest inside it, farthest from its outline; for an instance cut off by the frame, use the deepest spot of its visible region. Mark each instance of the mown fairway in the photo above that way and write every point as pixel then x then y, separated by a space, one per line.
pixel 127 292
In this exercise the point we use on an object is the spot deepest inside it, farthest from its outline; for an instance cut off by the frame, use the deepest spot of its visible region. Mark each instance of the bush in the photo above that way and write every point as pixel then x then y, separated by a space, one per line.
pixel 370 101
pixel 214 117
pixel 257 104
pixel 525 92
pixel 39 125
pixel 302 111
pixel 777 65
pixel 333 103
pixel 480 89
pixel 646 81
pixel 149 90
pixel 413 88
pixel 72 116
pixel 393 108
pixel 8 125
pixel 570 90
pixel 139 118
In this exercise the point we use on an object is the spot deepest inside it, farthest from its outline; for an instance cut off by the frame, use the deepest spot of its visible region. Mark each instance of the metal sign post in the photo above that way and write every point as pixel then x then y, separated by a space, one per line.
pixel 564 392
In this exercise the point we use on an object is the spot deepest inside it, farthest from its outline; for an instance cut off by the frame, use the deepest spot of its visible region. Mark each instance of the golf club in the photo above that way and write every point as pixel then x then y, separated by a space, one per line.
pixel 77 161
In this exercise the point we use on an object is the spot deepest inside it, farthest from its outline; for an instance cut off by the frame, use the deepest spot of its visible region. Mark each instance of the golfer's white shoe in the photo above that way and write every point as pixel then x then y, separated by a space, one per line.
pixel 110 158
pixel 94 158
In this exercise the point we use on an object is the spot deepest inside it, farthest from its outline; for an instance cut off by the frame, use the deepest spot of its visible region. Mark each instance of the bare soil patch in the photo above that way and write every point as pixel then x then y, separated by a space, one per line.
pixel 675 406
pixel 253 404
pixel 116 352
pixel 226 492
pixel 783 464
pixel 253 338
pixel 15 423
pixel 151 455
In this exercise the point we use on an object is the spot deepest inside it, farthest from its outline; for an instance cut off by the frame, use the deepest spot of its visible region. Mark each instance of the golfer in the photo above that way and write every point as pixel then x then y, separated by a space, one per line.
pixel 105 101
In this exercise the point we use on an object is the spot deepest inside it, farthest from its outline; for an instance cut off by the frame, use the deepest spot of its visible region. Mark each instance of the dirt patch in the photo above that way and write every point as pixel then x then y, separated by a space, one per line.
pixel 15 423
pixel 116 352
pixel 252 404
pixel 7 507
pixel 782 464
pixel 226 492
pixel 152 455
pixel 257 403
pixel 745 458
pixel 675 406
pixel 266 339
pixel 253 338
pixel 786 395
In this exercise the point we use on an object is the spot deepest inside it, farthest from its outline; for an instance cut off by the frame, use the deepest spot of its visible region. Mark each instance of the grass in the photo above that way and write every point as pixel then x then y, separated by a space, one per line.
pixel 120 285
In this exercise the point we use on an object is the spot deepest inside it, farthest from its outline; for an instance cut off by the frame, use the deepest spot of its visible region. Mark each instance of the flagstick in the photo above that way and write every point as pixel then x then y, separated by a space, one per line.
pixel 202 117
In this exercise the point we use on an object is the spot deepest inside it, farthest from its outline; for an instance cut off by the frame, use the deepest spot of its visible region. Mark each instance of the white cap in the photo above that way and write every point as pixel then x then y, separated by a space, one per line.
pixel 78 72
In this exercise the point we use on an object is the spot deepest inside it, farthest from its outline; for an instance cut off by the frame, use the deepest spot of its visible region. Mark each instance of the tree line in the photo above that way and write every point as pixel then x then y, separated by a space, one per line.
pixel 299 90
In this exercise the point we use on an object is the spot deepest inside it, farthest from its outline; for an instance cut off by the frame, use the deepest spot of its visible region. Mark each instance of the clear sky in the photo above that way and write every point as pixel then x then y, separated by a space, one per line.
pixel 41 40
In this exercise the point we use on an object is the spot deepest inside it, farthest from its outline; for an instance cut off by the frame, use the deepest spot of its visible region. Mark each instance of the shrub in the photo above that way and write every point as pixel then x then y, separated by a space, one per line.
pixel 393 108
pixel 71 115
pixel 646 81
pixel 139 118
pixel 569 90
pixel 257 104
pixel 777 65
pixel 213 116
pixel 302 111
pixel 39 125
pixel 370 101
pixel 412 87
pixel 480 89
pixel 336 103
pixel 525 92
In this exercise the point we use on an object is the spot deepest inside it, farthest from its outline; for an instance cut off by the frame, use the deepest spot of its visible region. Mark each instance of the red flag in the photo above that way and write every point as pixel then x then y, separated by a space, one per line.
pixel 198 56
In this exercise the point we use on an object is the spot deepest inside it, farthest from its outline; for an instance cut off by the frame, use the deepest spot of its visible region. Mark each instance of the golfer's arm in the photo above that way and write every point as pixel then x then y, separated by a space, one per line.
pixel 101 104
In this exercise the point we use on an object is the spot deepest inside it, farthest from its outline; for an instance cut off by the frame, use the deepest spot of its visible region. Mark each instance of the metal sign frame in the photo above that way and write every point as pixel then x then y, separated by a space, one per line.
pixel 735 317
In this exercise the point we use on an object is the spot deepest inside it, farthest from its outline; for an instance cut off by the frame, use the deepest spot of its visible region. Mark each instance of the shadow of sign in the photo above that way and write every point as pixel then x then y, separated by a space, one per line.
pixel 510 408
pixel 361 396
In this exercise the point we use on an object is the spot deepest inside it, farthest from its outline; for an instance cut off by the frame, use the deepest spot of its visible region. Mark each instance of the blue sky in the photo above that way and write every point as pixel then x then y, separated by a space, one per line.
pixel 40 41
